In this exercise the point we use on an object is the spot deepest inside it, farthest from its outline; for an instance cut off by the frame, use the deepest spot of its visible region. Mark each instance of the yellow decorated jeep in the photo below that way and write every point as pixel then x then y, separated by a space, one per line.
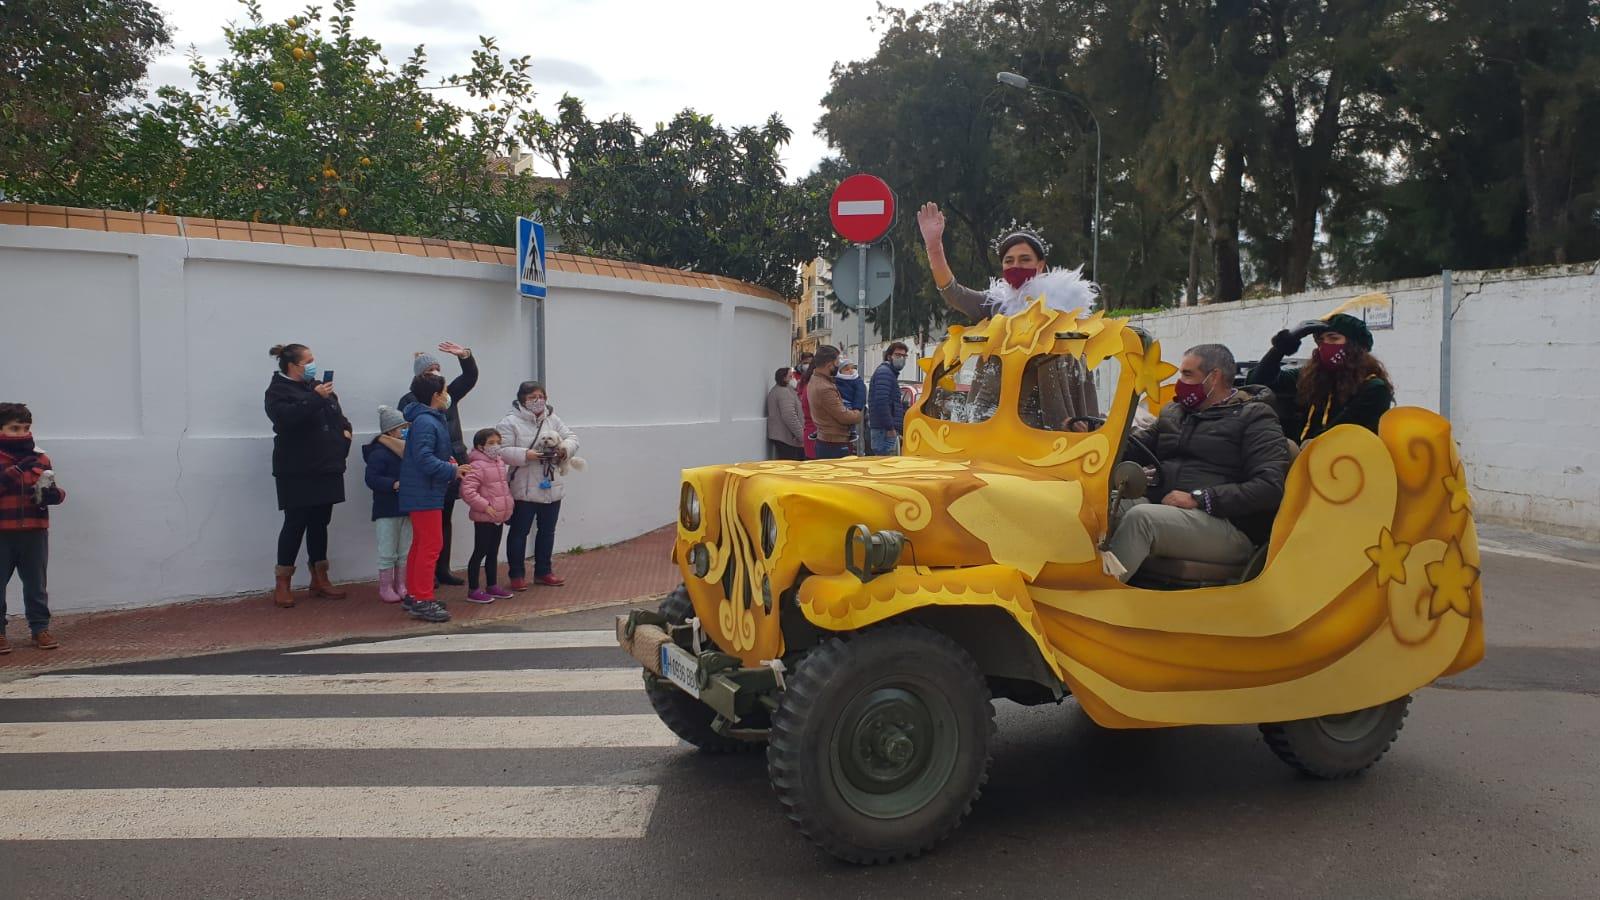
pixel 857 616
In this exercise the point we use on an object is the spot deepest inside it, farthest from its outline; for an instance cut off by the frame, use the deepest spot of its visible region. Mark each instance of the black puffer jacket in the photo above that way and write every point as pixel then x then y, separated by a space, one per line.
pixel 1234 449
pixel 309 429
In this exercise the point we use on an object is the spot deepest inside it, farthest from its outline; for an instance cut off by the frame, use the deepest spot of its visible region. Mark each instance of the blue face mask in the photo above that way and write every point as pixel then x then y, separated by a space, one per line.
pixel 310 374
pixel 405 431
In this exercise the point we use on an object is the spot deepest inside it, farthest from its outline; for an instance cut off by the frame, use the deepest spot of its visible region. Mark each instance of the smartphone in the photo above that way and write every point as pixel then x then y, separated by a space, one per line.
pixel 327 376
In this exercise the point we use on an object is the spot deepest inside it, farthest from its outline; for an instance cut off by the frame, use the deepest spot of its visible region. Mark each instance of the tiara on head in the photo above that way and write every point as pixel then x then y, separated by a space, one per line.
pixel 1025 229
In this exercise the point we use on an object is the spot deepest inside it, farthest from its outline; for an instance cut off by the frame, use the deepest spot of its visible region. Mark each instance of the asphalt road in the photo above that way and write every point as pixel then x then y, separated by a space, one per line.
pixel 1493 789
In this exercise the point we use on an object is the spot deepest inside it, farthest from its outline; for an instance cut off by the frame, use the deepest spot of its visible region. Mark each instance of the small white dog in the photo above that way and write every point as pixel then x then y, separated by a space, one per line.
pixel 548 444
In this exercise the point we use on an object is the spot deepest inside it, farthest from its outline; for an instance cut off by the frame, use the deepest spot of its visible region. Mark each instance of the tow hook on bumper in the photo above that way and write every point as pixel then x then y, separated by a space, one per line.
pixel 720 681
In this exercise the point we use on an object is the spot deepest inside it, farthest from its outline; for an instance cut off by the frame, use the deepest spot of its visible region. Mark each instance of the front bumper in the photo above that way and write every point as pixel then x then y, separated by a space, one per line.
pixel 734 691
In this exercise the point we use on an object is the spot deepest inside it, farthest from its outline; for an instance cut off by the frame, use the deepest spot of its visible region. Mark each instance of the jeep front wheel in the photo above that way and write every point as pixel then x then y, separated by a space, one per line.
pixel 684 715
pixel 1341 745
pixel 880 744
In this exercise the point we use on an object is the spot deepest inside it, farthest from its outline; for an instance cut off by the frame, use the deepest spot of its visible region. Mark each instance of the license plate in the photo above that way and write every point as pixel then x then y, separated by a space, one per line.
pixel 680 666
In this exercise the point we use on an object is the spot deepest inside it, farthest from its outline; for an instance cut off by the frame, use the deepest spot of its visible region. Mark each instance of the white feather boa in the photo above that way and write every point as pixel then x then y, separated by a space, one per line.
pixel 1062 289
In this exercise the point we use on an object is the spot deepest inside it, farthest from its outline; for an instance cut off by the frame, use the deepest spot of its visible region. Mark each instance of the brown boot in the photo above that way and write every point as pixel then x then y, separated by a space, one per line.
pixel 5 645
pixel 321 586
pixel 44 641
pixel 280 591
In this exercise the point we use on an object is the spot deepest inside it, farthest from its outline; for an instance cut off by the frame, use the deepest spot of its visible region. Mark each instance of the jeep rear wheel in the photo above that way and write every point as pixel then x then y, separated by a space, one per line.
pixel 1341 745
pixel 684 715
pixel 881 743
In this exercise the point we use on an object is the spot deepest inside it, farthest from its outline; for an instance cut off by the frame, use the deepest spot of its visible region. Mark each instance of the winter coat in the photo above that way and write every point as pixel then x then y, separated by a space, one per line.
pixel 309 447
pixel 853 391
pixel 886 410
pixel 1234 449
pixel 428 468
pixel 1368 404
pixel 833 418
pixel 808 426
pixel 518 430
pixel 458 390
pixel 785 421
pixel 383 470
pixel 487 485
pixel 23 505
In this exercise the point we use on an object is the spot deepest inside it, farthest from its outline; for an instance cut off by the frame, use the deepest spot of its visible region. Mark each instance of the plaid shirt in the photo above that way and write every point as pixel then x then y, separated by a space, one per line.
pixel 21 508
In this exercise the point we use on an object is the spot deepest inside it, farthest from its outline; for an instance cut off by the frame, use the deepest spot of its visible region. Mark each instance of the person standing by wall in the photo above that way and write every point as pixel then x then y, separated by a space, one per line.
pixel 426 473
pixel 311 441
pixel 536 482
pixel 427 364
pixel 808 426
pixel 383 456
pixel 886 408
pixel 785 422
pixel 487 493
pixel 27 491
pixel 834 419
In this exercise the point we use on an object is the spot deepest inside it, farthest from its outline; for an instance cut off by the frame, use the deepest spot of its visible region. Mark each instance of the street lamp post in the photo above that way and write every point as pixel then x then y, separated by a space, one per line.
pixel 1012 79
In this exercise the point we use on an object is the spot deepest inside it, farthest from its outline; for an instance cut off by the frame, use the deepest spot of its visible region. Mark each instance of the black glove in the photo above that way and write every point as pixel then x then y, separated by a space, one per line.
pixel 1287 342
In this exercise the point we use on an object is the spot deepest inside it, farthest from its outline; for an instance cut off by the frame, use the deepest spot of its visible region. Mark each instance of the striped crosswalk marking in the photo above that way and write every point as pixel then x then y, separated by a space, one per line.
pixel 381 733
pixel 621 811
pixel 456 643
pixel 52 687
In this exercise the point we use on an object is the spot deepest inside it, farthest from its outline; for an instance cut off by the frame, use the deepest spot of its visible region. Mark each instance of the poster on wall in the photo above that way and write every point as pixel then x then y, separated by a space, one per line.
pixel 530 258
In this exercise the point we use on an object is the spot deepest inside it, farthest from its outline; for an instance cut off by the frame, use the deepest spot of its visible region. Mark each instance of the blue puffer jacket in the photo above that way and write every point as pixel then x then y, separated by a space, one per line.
pixel 383 470
pixel 426 471
pixel 853 391
pixel 888 409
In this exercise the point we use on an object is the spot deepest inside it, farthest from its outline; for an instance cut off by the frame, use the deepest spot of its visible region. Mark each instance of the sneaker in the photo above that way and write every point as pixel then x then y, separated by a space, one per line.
pixel 44 641
pixel 498 592
pixel 550 580
pixel 480 597
pixel 429 611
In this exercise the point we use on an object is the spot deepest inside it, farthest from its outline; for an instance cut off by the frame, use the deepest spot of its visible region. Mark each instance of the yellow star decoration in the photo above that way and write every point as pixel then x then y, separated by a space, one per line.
pixel 1025 329
pixel 1148 372
pixel 1456 484
pixel 1390 557
pixel 1452 581
pixel 1107 341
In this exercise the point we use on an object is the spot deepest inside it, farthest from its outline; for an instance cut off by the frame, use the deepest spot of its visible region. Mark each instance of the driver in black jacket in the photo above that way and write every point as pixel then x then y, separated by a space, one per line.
pixel 1222 462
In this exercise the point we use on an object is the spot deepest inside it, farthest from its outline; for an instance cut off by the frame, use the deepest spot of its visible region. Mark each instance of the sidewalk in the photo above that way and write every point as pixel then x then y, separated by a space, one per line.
pixel 639 571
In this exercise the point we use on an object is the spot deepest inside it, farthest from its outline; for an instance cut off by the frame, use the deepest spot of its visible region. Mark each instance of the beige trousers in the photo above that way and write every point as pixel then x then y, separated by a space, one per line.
pixel 1155 529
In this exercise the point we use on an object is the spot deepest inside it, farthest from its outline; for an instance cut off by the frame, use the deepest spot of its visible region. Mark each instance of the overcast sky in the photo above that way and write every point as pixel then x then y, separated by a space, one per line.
pixel 738 60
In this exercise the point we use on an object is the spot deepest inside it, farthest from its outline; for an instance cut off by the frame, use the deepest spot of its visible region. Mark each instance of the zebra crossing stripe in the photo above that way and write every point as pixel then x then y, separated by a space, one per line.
pixel 456 643
pixel 378 733
pixel 620 811
pixel 53 687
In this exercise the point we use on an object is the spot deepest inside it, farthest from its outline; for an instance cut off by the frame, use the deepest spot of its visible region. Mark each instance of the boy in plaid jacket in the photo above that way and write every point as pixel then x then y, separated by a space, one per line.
pixel 27 491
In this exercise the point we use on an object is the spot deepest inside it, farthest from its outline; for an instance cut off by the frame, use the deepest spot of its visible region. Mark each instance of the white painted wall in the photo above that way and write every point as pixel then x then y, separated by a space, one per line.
pixel 144 361
pixel 1525 386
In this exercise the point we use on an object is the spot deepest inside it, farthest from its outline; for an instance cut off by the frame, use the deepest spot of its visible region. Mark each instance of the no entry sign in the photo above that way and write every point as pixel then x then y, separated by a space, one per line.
pixel 862 208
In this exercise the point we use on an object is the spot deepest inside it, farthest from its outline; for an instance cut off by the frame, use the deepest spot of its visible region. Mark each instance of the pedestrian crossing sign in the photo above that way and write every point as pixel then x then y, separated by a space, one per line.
pixel 530 258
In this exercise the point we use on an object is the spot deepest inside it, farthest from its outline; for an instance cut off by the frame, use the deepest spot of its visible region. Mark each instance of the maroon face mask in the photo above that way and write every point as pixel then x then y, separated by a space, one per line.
pixel 1189 395
pixel 1017 276
pixel 1331 356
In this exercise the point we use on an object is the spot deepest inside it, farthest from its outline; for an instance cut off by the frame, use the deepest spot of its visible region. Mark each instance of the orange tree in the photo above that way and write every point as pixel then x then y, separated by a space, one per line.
pixel 304 122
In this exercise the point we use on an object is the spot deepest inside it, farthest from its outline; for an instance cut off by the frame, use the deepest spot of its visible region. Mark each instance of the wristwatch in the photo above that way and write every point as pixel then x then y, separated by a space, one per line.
pixel 1200 499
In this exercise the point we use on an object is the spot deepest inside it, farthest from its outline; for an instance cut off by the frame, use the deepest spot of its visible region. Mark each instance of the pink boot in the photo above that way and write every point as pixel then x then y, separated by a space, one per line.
pixel 388 588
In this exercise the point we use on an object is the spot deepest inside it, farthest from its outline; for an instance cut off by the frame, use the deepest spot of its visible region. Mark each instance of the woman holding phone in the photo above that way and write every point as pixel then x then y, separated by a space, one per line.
pixel 311 440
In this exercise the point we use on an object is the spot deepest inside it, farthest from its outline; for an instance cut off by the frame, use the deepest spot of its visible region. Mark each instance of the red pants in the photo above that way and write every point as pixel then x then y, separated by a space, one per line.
pixel 427 540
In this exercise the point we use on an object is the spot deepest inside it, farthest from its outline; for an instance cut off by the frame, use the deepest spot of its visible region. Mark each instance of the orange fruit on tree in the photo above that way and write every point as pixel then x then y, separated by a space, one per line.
pixel 366 161
pixel 277 87
pixel 343 212
pixel 299 53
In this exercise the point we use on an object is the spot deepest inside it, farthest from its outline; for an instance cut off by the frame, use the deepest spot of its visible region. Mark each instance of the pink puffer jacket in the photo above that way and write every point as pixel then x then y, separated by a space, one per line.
pixel 485 486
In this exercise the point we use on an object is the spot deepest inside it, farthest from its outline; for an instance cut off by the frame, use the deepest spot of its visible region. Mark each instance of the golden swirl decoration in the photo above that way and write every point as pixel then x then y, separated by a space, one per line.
pixel 1418 464
pixel 919 433
pixel 911 509
pixel 1409 599
pixel 1094 450
pixel 1336 479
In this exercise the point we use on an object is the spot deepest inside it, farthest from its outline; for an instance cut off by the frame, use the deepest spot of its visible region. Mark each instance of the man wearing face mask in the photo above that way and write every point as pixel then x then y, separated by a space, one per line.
pixel 886 409
pixel 834 419
pixel 1222 460
pixel 428 364
pixel 1344 384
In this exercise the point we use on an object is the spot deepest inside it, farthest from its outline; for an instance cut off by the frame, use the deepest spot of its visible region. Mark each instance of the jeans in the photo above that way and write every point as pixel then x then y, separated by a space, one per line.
pixel 309 523
pixel 1155 529
pixel 826 450
pixel 525 517
pixel 28 554
pixel 427 539
pixel 882 444
pixel 485 550
pixel 394 541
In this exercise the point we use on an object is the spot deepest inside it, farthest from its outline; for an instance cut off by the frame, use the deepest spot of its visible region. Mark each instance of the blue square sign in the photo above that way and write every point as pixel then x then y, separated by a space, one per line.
pixel 530 258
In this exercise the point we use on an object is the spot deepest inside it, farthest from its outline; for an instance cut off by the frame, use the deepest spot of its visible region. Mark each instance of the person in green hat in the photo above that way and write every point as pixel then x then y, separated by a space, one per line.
pixel 1343 384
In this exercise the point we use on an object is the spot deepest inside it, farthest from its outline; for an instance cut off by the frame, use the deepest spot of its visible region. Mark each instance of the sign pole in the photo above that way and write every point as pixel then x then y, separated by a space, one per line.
pixel 861 325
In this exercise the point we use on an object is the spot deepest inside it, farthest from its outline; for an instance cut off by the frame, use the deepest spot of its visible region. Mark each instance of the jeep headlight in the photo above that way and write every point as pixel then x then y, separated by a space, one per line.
pixel 689 507
pixel 868 553
pixel 699 560
pixel 769 530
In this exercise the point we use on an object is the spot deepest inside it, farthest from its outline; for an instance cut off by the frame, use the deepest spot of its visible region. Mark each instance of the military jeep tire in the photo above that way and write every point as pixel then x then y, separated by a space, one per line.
pixel 880 744
pixel 684 715
pixel 1338 746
